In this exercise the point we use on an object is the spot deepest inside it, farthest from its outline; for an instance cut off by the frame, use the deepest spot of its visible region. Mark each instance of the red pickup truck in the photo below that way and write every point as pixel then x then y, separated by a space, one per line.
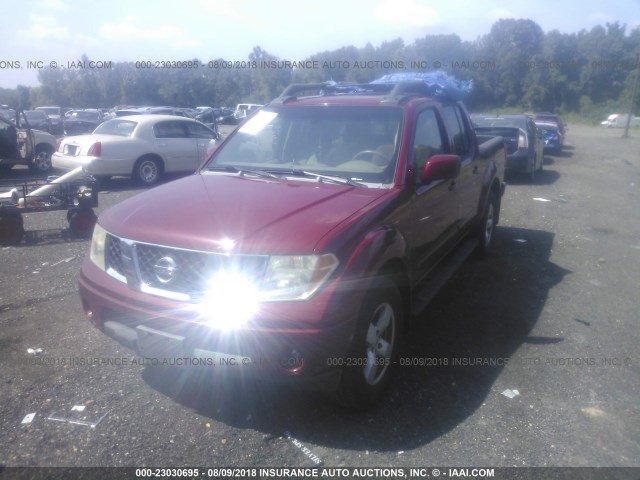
pixel 301 247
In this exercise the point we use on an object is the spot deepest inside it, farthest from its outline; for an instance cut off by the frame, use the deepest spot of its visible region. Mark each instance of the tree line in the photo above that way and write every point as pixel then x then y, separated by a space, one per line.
pixel 516 66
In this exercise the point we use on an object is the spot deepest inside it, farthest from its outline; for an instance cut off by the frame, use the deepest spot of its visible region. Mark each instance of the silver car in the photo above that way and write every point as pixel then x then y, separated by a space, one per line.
pixel 141 146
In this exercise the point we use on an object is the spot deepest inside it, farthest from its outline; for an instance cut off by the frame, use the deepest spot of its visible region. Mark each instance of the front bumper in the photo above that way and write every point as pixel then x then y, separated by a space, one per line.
pixel 290 342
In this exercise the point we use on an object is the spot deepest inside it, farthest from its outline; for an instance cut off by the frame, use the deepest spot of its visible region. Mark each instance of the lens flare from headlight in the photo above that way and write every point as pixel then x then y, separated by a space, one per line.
pixel 231 299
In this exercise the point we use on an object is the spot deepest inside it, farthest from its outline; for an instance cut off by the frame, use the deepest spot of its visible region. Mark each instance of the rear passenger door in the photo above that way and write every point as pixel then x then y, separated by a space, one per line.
pixel 175 144
pixel 469 182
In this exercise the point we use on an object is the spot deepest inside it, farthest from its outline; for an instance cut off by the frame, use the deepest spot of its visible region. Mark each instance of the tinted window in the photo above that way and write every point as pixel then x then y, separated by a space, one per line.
pixel 457 130
pixel 170 129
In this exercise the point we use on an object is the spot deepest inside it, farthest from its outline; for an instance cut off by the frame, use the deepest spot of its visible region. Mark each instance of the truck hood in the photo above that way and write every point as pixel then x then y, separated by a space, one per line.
pixel 235 213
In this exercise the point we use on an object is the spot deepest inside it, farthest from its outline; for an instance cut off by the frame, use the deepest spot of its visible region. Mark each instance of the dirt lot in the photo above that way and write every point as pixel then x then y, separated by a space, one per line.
pixel 551 316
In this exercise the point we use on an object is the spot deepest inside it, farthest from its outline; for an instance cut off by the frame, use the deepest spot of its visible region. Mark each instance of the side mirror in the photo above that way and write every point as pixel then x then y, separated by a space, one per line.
pixel 440 167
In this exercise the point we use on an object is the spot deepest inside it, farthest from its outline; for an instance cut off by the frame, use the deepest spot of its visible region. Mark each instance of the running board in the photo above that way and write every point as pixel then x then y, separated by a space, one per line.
pixel 441 275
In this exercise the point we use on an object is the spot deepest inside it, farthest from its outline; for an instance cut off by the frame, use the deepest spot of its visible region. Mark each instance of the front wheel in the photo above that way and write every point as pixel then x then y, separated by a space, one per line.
pixel 370 361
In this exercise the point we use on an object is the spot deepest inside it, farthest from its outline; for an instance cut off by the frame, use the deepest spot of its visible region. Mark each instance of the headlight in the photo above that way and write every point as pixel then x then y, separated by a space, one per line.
pixel 296 277
pixel 98 242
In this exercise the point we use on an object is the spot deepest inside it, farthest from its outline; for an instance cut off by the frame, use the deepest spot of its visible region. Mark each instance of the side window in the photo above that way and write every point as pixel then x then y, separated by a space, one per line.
pixel 170 129
pixel 457 129
pixel 199 131
pixel 428 139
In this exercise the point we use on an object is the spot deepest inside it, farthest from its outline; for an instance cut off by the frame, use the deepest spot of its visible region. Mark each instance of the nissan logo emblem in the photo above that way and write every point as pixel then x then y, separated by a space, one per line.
pixel 165 269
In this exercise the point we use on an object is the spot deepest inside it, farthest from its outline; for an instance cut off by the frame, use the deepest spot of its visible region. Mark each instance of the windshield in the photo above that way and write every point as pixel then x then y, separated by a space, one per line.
pixel 117 126
pixel 357 143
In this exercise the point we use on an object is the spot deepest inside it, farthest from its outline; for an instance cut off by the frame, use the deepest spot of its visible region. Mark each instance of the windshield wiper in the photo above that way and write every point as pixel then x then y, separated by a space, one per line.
pixel 329 178
pixel 241 171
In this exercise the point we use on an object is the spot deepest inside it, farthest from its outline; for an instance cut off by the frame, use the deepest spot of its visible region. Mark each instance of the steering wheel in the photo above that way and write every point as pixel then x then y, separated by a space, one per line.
pixel 372 153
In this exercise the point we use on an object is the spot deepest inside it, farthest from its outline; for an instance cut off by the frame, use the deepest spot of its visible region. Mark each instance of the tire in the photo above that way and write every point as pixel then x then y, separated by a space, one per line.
pixel 11 229
pixel 541 164
pixel 147 170
pixel 81 223
pixel 376 343
pixel 487 225
pixel 42 161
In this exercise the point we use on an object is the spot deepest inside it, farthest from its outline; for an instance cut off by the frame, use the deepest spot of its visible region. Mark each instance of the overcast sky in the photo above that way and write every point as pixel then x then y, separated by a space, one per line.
pixel 126 30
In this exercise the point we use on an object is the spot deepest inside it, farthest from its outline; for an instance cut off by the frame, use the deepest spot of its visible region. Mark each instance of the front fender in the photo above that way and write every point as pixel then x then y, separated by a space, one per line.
pixel 379 247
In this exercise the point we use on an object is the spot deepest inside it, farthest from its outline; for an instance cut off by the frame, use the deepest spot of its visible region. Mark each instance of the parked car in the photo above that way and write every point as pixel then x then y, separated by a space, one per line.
pixel 551 136
pixel 143 146
pixel 298 251
pixel 545 117
pixel 525 151
pixel 619 120
pixel 38 119
pixel 55 115
pixel 21 144
pixel 78 122
pixel 209 117
pixel 226 116
pixel 243 110
pixel 8 113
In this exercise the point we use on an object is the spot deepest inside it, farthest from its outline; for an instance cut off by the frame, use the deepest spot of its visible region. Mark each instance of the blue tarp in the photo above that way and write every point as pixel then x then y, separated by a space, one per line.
pixel 440 83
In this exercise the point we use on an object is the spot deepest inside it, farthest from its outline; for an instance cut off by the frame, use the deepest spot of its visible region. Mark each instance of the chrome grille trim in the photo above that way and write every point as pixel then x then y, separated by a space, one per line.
pixel 133 263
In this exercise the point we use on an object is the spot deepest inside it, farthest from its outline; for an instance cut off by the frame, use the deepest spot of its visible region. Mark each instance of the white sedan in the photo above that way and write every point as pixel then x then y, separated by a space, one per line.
pixel 142 146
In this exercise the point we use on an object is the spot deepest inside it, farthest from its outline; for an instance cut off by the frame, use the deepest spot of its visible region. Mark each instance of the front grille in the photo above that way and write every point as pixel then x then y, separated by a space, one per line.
pixel 190 271
pixel 167 271
pixel 113 255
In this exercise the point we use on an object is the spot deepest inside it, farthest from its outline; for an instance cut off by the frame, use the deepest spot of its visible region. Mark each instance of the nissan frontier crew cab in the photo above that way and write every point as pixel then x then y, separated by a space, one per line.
pixel 300 248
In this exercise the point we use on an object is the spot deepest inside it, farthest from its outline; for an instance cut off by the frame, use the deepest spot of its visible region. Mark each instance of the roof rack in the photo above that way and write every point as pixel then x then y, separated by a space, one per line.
pixel 394 91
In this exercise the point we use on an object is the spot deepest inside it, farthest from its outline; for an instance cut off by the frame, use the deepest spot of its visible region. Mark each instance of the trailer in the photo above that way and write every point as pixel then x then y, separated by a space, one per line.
pixel 76 192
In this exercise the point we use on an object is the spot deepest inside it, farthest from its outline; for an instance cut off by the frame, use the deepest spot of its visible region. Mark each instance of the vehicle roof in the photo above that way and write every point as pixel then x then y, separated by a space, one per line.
pixel 367 94
pixel 354 100
pixel 151 117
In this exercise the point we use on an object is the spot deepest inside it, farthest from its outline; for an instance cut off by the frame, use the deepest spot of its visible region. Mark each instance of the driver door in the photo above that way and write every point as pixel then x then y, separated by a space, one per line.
pixel 24 138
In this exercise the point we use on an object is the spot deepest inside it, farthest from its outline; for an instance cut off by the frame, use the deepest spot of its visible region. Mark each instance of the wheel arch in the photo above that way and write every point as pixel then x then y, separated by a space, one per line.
pixel 155 156
pixel 152 156
pixel 44 146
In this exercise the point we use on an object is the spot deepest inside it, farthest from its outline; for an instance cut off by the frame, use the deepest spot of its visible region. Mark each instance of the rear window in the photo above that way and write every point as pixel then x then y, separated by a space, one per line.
pixel 123 128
